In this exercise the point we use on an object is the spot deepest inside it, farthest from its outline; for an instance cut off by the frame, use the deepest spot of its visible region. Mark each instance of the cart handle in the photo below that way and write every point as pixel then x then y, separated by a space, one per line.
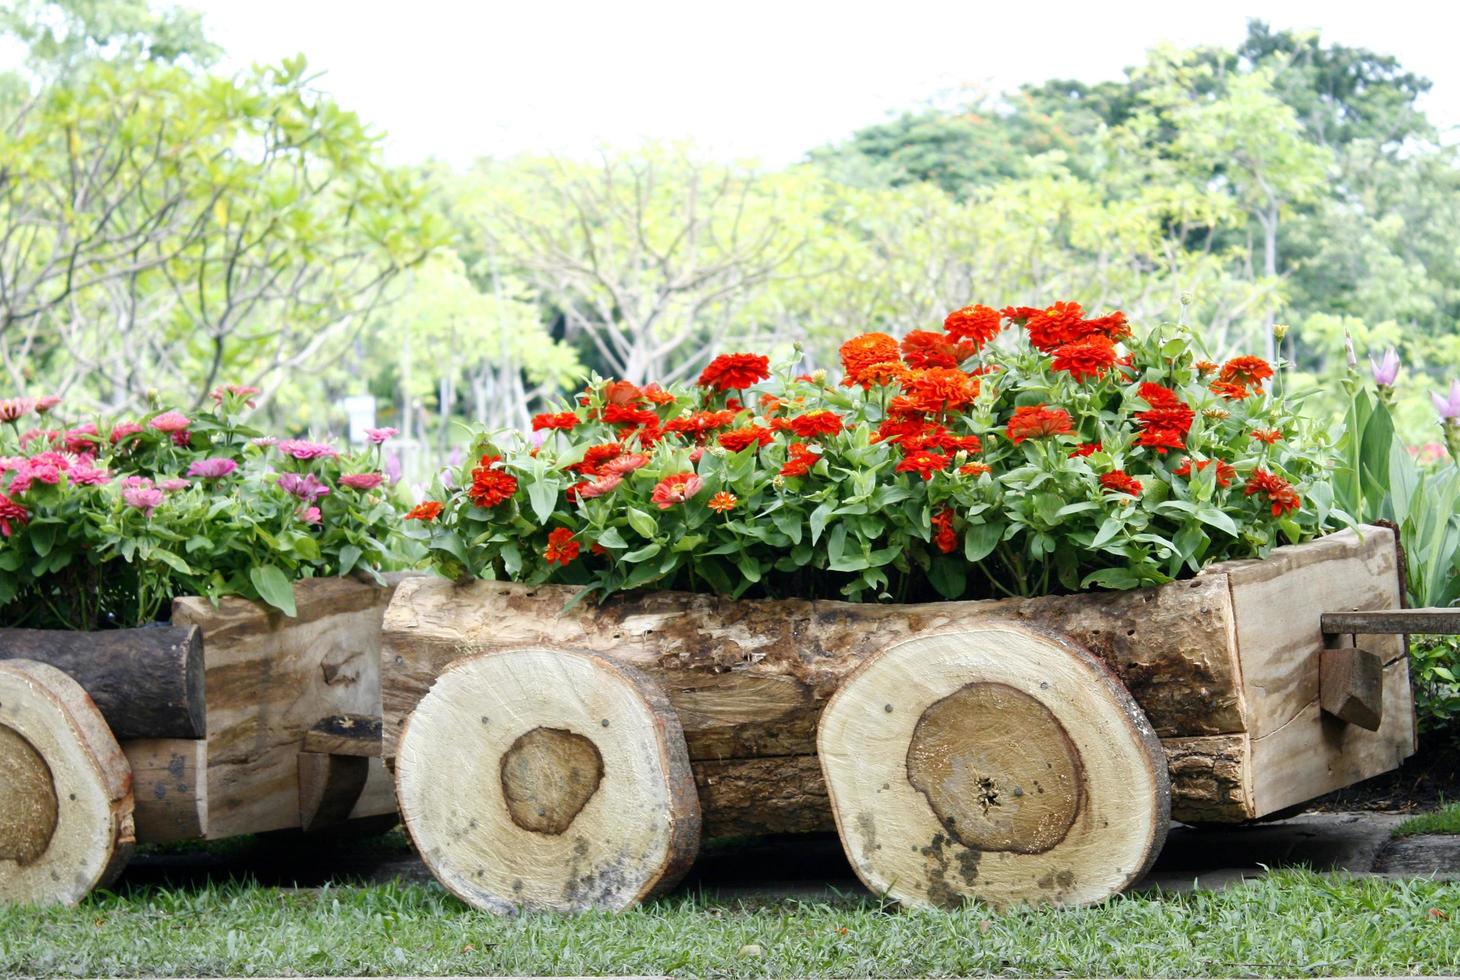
pixel 1431 620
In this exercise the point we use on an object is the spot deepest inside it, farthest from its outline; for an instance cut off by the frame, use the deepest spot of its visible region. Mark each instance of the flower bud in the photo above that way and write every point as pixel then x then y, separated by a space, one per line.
pixel 1279 332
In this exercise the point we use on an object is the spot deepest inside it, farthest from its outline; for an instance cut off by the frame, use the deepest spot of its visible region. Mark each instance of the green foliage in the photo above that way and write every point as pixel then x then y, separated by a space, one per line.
pixel 1434 664
pixel 107 521
pixel 913 484
pixel 1445 820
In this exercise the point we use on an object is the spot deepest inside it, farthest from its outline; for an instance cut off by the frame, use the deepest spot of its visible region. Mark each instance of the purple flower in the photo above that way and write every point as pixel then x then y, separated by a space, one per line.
pixel 306 487
pixel 144 499
pixel 362 481
pixel 304 449
pixel 393 468
pixel 174 483
pixel 1386 370
pixel 1449 408
pixel 213 468
pixel 379 436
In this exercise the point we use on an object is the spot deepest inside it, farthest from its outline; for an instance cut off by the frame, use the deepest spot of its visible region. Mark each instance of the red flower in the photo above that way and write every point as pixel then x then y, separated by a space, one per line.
pixel 623 465
pixel 1158 396
pixel 865 350
pixel 1230 390
pixel 925 349
pixel 1091 357
pixel 426 511
pixel 1037 422
pixel 735 371
pixel 737 439
pixel 799 460
pixel 939 439
pixel 975 469
pixel 629 415
pixel 656 394
pixel 1118 481
pixel 814 424
pixel 490 486
pixel 923 463
pixel 1086 448
pixel 11 511
pixel 565 421
pixel 676 489
pixel 561 548
pixel 697 424
pixel 723 501
pixel 936 390
pixel 621 393
pixel 978 324
pixel 1206 367
pixel 1064 323
pixel 1268 436
pixel 1279 492
pixel 1248 371
pixel 1225 472
pixel 944 536
pixel 1164 426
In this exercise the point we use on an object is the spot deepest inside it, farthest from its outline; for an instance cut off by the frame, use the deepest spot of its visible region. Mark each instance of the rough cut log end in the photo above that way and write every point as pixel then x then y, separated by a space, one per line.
pixel 65 790
pixel 1351 686
pixel 543 779
pixel 997 764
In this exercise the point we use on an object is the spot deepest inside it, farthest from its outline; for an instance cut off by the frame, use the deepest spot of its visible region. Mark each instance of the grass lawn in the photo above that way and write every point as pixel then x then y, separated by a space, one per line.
pixel 1292 923
pixel 1445 820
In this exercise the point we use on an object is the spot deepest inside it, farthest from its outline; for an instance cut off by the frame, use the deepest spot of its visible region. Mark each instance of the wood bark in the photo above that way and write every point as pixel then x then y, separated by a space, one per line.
pixel 65 789
pixel 568 786
pixel 994 763
pixel 147 682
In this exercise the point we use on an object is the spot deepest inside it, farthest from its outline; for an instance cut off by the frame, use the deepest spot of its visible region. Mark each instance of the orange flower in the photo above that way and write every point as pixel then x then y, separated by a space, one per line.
pixel 1086 448
pixel 1158 396
pixel 1206 367
pixel 723 501
pixel 491 486
pixel 1279 492
pixel 814 424
pixel 865 350
pixel 1248 371
pixel 735 371
pixel 936 390
pixel 944 536
pixel 676 489
pixel 737 439
pixel 799 460
pixel 428 510
pixel 925 349
pixel 1118 481
pixel 621 393
pixel 630 416
pixel 1230 390
pixel 1164 426
pixel 978 324
pixel 975 469
pixel 1225 472
pixel 923 463
pixel 1063 323
pixel 1037 422
pixel 1091 357
pixel 595 456
pixel 561 548
pixel 697 424
pixel 656 394
pixel 883 373
pixel 1268 436
pixel 565 421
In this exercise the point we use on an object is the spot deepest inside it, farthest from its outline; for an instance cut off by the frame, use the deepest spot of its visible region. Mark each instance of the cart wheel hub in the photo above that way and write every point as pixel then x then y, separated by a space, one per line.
pixel 548 777
pixel 28 807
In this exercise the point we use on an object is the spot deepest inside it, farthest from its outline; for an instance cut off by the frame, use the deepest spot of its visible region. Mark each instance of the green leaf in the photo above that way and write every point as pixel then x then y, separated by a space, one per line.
pixel 349 555
pixel 641 554
pixel 642 523
pixel 819 518
pixel 543 495
pixel 273 587
pixel 981 539
pixel 610 537
pixel 173 561
pixel 1112 578
pixel 1218 519
pixel 1108 530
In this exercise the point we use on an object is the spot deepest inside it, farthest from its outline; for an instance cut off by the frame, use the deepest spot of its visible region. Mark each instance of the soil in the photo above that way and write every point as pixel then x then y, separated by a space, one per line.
pixel 1427 780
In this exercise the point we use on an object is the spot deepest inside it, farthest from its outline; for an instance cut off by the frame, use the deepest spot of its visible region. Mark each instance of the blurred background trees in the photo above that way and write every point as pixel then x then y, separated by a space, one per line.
pixel 164 226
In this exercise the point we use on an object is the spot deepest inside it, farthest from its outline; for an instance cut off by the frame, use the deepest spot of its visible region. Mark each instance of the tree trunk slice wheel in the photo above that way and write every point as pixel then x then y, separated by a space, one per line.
pixel 997 764
pixel 65 790
pixel 543 779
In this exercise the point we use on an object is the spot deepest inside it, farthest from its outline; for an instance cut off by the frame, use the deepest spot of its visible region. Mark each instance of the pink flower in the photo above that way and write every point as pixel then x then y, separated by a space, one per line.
pixel 1448 407
pixel 173 484
pixel 170 422
pixel 623 465
pixel 245 392
pixel 362 481
pixel 136 481
pixel 32 470
pixel 379 436
pixel 676 489
pixel 81 439
pixel 31 435
pixel 304 449
pixel 599 487
pixel 13 408
pixel 1386 370
pixel 264 441
pixel 309 515
pixel 696 454
pixel 306 487
pixel 213 468
pixel 11 511
pixel 83 474
pixel 45 403
pixel 8 463
pixel 144 499
pixel 122 430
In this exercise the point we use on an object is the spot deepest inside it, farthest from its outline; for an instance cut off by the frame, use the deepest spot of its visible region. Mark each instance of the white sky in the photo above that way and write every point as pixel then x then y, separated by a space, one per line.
pixel 768 80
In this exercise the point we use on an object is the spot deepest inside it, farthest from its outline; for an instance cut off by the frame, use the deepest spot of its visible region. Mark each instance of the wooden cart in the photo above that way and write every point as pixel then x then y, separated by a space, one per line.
pixel 565 756
pixel 234 719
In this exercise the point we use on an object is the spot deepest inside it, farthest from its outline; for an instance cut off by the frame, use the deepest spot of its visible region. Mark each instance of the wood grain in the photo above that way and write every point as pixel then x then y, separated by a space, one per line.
pixel 170 786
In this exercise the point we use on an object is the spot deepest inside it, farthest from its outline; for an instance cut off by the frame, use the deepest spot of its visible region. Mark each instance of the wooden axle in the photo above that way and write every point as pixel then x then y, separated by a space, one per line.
pixel 1393 621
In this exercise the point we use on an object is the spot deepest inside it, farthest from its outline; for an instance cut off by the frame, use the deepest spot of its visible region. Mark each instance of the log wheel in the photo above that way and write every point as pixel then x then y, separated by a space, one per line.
pixel 547 779
pixel 65 789
pixel 999 764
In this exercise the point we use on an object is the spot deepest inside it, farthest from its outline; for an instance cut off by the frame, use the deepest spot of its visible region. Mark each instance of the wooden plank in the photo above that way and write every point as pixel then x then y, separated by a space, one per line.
pixel 1351 686
pixel 147 682
pixel 269 678
pixel 1430 620
pixel 354 735
pixel 1277 604
pixel 1315 753
pixel 169 784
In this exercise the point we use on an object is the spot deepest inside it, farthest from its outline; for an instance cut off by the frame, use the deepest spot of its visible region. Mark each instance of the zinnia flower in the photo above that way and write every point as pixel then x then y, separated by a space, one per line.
pixel 1165 424
pixel 1224 472
pixel 81 439
pixel 865 351
pixel 923 463
pixel 622 393
pixel 1268 436
pixel 11 511
pixel 306 487
pixel 1086 449
pixel 814 424
pixel 1091 357
pixel 943 534
pixel 1118 481
pixel 489 485
pixel 173 484
pixel 561 548
pixel 212 469
pixel 83 474
pixel 564 421
pixel 304 449
pixel 723 501
pixel 170 422
pixel 925 349
pixel 606 483
pixel 427 510
pixel 737 439
pixel 623 465
pixel 735 371
pixel 676 489
pixel 362 481
pixel 800 459
pixel 975 469
pixel 145 499
pixel 977 324
pixel 244 392
pixel 1279 492
pixel 45 403
pixel 14 408
pixel 938 390
pixel 309 515
pixel 379 436
pixel 1038 422
pixel 1248 371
